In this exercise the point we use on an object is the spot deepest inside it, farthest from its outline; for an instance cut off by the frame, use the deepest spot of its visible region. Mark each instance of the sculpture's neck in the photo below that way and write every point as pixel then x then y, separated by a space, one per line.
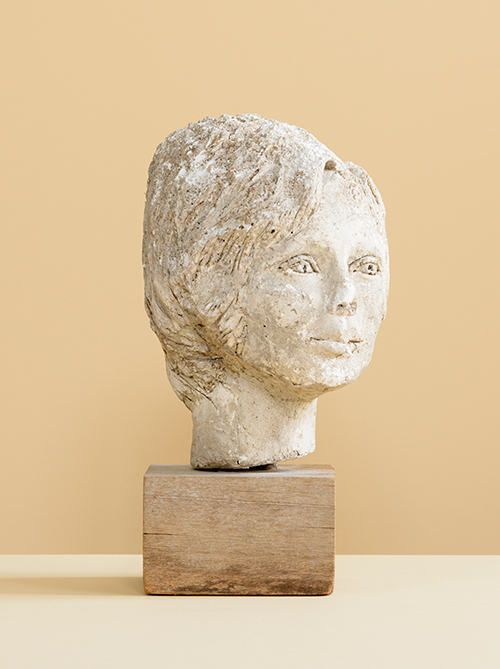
pixel 244 425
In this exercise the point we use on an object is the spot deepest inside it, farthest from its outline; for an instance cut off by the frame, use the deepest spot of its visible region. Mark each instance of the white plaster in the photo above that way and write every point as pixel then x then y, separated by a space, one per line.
pixel 267 285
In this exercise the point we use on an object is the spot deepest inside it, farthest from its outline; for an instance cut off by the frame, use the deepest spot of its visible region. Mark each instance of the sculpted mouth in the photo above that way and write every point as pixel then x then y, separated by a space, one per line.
pixel 334 347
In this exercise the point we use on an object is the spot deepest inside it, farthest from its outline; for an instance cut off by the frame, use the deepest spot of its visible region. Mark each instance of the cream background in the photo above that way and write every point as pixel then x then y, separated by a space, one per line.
pixel 409 90
pixel 387 612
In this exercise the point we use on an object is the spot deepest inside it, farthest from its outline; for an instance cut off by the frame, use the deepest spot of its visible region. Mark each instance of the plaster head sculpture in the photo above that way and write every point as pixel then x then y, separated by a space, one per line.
pixel 266 280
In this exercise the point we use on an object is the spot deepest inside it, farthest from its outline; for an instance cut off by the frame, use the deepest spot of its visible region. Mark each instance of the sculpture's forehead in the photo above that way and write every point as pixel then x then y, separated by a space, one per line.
pixel 346 236
pixel 339 214
pixel 344 197
pixel 345 216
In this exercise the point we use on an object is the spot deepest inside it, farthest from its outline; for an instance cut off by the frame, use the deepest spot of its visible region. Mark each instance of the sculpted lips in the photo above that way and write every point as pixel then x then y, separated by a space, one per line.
pixel 335 347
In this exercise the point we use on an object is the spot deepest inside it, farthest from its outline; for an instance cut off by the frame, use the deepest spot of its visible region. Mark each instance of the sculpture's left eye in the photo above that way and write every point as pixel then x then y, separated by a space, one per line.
pixel 299 265
pixel 370 266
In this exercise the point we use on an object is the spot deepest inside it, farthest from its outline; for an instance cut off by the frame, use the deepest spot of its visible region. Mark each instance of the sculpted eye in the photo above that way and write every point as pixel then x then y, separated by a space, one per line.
pixel 366 265
pixel 299 265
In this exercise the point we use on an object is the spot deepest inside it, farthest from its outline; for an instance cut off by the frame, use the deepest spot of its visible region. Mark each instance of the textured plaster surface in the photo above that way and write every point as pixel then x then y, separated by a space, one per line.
pixel 266 274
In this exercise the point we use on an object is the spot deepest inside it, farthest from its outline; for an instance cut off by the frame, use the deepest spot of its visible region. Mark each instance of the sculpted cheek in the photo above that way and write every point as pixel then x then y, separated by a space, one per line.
pixel 372 300
pixel 285 307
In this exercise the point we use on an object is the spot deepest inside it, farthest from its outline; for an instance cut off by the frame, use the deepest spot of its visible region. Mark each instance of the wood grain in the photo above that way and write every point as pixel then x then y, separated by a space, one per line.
pixel 246 532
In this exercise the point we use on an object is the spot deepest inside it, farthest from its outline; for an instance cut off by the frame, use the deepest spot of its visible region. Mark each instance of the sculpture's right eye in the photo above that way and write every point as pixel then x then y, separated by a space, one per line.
pixel 299 265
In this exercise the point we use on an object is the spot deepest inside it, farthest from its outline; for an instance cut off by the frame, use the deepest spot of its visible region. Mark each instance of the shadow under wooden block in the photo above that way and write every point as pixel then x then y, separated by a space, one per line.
pixel 244 532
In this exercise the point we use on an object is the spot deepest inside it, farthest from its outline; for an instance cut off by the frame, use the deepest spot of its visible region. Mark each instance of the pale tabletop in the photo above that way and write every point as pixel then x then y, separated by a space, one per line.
pixel 89 611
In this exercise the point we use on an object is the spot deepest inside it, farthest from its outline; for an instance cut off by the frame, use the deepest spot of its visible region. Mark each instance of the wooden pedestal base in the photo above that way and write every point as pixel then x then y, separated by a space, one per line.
pixel 246 532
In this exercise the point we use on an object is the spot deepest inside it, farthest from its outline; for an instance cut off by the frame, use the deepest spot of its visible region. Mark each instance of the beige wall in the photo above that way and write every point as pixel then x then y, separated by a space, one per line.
pixel 409 90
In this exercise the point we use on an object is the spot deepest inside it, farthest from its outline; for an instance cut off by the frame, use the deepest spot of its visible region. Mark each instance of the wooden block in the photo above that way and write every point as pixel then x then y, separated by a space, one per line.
pixel 246 532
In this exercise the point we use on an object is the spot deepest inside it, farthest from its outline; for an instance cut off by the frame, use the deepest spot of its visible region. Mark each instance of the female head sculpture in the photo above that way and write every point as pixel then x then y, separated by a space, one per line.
pixel 266 280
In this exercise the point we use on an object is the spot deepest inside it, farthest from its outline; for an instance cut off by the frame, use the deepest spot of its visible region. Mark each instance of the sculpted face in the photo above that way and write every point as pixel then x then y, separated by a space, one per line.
pixel 314 303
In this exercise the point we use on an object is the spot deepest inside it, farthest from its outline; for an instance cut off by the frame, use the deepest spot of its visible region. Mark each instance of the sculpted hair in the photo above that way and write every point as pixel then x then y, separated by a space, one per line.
pixel 216 190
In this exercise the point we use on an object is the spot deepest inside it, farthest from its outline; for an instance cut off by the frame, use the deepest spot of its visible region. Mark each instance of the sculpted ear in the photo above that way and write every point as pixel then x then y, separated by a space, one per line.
pixel 227 320
pixel 233 334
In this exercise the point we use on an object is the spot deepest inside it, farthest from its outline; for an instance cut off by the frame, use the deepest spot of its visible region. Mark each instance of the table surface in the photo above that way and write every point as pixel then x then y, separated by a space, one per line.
pixel 90 611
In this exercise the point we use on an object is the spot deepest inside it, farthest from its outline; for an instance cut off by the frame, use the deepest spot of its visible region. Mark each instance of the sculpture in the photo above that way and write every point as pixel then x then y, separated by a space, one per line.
pixel 266 278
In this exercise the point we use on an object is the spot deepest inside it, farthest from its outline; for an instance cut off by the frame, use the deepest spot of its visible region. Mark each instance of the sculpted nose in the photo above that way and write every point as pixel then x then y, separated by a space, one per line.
pixel 343 301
